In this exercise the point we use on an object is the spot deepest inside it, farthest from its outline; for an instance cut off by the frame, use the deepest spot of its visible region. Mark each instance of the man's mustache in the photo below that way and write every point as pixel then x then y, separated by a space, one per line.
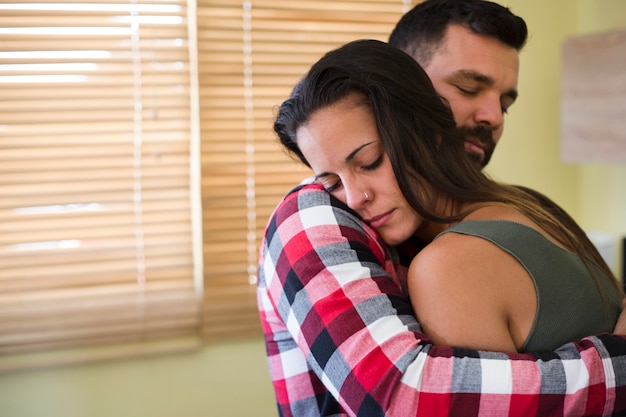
pixel 482 133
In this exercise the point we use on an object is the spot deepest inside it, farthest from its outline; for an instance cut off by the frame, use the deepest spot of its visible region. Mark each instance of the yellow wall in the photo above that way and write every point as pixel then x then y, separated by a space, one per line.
pixel 229 380
pixel 602 189
pixel 232 379
pixel 529 153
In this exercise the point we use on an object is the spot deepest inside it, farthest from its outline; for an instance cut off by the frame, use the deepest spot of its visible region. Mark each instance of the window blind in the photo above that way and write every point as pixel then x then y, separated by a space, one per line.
pixel 250 54
pixel 99 125
pixel 95 213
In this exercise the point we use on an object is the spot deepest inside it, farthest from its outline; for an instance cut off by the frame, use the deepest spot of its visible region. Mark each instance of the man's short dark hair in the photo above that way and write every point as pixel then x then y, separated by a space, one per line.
pixel 421 30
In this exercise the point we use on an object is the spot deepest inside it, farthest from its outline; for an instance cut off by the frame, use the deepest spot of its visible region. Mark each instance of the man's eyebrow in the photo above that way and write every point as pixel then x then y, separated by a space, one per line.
pixel 349 158
pixel 483 79
pixel 474 76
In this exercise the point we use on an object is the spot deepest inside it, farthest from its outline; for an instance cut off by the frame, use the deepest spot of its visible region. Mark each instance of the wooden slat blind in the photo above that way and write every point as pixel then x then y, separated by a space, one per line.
pixel 95 241
pixel 96 149
pixel 250 54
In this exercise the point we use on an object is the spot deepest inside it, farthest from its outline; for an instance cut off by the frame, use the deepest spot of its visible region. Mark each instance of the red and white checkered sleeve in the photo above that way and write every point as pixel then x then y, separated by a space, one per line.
pixel 339 328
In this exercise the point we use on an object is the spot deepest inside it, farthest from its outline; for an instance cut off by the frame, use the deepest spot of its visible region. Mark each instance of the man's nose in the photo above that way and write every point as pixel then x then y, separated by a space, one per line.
pixel 490 113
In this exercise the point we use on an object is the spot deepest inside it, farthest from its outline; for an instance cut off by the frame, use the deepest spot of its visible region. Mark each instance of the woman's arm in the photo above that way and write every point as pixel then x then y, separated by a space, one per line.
pixel 337 323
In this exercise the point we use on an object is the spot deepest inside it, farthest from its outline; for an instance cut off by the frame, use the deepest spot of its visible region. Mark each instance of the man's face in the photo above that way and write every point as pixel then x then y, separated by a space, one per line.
pixel 478 77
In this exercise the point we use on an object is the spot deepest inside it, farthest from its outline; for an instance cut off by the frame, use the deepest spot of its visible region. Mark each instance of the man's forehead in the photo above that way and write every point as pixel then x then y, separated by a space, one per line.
pixel 464 54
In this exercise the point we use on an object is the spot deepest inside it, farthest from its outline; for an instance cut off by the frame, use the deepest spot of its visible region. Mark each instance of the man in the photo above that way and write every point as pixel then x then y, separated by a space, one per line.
pixel 470 51
pixel 318 363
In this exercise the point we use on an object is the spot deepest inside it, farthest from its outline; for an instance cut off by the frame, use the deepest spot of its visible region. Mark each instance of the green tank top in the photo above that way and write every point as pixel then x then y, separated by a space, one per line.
pixel 569 305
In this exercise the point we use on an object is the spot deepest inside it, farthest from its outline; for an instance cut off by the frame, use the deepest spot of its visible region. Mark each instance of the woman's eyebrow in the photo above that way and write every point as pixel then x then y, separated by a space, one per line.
pixel 349 158
pixel 352 154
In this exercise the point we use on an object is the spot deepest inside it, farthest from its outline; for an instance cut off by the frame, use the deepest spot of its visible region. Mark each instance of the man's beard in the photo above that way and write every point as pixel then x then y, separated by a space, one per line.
pixel 485 137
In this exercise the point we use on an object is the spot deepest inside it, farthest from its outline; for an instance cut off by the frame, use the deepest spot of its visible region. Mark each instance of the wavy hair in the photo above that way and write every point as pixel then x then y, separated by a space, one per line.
pixel 418 132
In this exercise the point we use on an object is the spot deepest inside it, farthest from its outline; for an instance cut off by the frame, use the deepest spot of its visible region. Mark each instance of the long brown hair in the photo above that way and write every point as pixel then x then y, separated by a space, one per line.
pixel 420 137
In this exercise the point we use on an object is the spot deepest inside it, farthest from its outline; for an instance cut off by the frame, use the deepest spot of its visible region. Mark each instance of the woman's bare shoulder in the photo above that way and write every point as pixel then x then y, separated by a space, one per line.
pixel 449 253
pixel 452 292
pixel 459 274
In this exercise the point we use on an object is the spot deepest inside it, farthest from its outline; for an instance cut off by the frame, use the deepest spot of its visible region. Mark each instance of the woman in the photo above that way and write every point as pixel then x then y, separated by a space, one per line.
pixel 368 122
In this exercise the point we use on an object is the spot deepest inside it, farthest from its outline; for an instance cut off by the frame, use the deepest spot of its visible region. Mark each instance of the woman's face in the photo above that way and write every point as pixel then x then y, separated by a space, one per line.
pixel 343 147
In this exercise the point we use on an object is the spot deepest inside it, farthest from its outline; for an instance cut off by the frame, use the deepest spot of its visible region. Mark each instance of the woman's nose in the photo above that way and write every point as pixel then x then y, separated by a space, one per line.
pixel 356 197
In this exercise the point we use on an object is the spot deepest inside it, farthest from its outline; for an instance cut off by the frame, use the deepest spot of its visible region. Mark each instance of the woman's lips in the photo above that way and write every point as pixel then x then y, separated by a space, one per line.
pixel 379 221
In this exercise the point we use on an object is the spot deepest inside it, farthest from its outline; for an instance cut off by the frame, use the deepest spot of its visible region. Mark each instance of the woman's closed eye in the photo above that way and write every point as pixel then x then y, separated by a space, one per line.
pixel 329 182
pixel 333 187
pixel 332 182
pixel 374 165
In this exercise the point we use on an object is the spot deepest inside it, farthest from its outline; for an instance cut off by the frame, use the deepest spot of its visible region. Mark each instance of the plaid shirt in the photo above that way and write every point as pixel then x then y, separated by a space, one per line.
pixel 342 340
